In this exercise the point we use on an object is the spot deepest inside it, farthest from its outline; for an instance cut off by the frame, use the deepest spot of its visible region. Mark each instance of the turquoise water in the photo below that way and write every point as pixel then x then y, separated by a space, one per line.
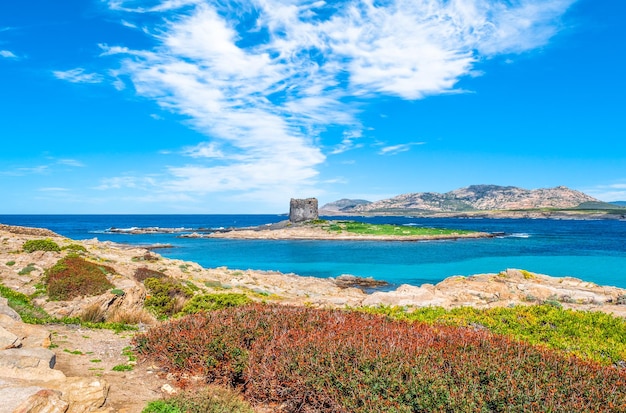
pixel 591 250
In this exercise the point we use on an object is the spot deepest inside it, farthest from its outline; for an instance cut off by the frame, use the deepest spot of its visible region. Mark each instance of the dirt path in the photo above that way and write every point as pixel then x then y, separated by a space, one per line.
pixel 93 353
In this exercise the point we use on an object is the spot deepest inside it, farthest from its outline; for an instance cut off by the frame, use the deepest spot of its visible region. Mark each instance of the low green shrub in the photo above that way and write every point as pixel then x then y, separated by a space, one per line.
pixel 75 248
pixel 23 305
pixel 122 367
pixel 210 302
pixel 40 245
pixel 167 296
pixel 74 276
pixel 326 361
pixel 10 263
pixel 27 270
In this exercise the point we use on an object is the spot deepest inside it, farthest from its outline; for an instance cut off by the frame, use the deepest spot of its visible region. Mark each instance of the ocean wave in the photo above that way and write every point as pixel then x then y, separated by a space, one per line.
pixel 519 235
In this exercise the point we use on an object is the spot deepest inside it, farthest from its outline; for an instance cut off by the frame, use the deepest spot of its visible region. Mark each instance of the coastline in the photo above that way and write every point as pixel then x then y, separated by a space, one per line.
pixel 129 391
pixel 509 287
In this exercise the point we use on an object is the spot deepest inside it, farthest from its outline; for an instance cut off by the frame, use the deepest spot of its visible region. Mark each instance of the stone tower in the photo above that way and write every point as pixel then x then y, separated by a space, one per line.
pixel 303 210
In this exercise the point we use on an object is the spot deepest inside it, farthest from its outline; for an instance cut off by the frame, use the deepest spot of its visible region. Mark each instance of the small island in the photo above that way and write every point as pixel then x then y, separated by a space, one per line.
pixel 304 224
pixel 321 229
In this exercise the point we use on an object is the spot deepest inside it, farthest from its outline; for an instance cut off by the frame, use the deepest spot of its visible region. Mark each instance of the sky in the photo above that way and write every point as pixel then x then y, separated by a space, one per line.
pixel 236 106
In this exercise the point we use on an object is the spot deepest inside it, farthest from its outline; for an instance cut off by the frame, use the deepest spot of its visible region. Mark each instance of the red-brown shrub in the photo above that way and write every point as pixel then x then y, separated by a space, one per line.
pixel 74 276
pixel 336 361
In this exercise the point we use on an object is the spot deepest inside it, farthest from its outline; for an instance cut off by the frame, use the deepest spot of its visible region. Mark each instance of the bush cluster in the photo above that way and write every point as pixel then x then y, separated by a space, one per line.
pixel 335 361
pixel 23 305
pixel 74 276
pixel 40 245
pixel 77 248
pixel 212 302
pixel 588 334
pixel 167 296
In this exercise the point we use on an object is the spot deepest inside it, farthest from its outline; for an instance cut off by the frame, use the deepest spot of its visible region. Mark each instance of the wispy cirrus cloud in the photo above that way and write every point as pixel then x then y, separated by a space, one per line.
pixel 609 193
pixel 78 75
pixel 8 54
pixel 396 149
pixel 263 78
pixel 71 162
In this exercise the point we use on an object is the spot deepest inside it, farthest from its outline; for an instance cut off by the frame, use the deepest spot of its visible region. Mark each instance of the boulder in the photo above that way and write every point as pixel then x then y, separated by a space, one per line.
pixel 29 364
pixel 44 401
pixel 8 339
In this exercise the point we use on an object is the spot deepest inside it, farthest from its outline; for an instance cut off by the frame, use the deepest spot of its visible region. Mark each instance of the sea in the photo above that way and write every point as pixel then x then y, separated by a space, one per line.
pixel 592 250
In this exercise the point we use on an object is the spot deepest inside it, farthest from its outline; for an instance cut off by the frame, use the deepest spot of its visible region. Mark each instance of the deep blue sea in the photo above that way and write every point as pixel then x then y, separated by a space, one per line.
pixel 591 250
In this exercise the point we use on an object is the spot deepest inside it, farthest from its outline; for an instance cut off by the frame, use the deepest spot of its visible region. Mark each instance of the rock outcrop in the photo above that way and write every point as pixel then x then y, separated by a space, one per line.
pixel 28 380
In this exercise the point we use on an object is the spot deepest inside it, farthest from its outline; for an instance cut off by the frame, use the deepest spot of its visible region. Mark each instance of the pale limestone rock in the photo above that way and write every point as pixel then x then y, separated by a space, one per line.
pixel 44 401
pixel 29 364
pixel 8 339
pixel 32 336
pixel 13 394
pixel 84 394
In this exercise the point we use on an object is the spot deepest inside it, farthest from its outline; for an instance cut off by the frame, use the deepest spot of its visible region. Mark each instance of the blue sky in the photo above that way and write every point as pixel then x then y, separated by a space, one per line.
pixel 200 106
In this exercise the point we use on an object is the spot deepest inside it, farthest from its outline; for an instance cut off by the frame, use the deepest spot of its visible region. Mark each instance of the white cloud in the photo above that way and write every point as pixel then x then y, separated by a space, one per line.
pixel 348 142
pixel 396 149
pixel 7 54
pixel 263 78
pixel 608 193
pixel 71 162
pixel 204 150
pixel 54 189
pixel 125 182
pixel 78 75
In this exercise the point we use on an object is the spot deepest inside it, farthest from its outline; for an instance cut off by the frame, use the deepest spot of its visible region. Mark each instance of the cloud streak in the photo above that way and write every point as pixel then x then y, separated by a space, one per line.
pixel 78 75
pixel 263 78
pixel 8 54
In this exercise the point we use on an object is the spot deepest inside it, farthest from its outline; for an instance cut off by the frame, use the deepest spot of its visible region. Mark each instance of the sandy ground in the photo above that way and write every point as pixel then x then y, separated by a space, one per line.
pixel 100 351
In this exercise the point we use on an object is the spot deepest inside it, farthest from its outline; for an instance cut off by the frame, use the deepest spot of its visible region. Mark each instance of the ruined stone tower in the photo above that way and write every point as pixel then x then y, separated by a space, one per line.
pixel 303 210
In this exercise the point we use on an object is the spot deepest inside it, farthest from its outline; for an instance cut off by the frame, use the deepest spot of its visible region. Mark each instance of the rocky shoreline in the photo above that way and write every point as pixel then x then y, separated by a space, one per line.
pixel 286 230
pixel 26 359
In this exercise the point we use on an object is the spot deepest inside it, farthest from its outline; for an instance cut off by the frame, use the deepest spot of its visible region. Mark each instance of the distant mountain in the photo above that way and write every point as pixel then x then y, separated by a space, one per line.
pixel 343 205
pixel 476 198
pixel 619 203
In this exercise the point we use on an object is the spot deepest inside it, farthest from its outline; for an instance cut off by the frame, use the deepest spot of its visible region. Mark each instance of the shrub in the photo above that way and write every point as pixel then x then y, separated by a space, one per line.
pixel 167 296
pixel 22 304
pixel 143 273
pixel 588 334
pixel 335 361
pixel 122 367
pixel 210 302
pixel 10 263
pixel 160 406
pixel 208 400
pixel 27 270
pixel 73 276
pixel 41 245
pixel 75 248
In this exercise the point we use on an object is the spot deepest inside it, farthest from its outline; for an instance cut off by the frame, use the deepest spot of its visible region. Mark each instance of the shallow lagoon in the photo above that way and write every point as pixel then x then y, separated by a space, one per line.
pixel 591 250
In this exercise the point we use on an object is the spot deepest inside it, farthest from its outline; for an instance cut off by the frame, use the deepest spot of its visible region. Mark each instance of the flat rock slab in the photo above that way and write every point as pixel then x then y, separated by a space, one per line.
pixel 29 364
